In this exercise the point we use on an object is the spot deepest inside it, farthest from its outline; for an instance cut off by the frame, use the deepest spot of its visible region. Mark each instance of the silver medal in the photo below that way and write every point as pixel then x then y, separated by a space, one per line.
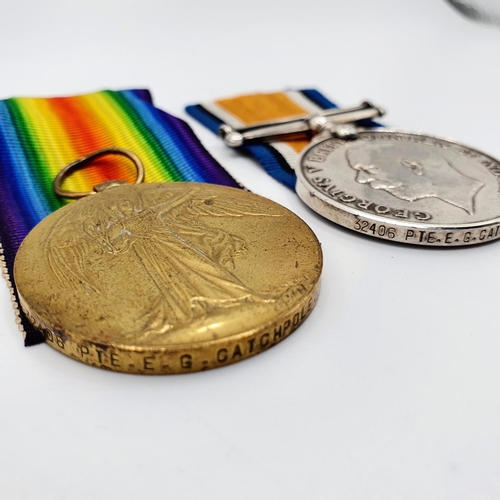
pixel 398 186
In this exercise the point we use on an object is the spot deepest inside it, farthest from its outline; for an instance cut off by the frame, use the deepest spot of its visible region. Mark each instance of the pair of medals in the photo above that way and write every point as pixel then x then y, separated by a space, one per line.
pixel 182 277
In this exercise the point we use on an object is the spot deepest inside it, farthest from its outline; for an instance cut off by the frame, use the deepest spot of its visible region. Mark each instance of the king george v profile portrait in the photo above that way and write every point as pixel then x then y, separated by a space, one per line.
pixel 410 171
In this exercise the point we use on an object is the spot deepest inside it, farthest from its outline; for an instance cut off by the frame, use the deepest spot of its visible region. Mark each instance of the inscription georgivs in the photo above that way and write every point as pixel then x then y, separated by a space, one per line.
pixel 164 271
pixel 404 187
pixel 403 167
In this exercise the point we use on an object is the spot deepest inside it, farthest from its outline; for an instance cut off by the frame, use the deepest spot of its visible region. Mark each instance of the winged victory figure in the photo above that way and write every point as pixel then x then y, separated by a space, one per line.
pixel 188 262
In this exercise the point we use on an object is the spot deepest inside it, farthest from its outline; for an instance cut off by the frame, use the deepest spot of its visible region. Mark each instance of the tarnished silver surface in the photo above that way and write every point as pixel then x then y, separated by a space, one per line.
pixel 404 187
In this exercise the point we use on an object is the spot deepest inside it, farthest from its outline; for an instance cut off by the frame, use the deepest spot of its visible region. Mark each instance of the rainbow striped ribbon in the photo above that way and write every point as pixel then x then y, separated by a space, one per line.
pixel 39 136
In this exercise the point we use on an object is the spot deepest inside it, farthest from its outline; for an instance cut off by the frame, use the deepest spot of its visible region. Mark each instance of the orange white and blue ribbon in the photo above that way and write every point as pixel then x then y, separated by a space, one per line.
pixel 39 136
pixel 277 157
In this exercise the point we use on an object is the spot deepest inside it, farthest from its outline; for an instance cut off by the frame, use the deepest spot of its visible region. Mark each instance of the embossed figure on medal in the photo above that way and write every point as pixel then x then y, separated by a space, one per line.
pixel 189 265
pixel 390 184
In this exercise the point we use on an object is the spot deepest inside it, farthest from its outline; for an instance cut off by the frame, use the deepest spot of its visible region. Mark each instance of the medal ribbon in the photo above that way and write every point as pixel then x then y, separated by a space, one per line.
pixel 40 136
pixel 278 157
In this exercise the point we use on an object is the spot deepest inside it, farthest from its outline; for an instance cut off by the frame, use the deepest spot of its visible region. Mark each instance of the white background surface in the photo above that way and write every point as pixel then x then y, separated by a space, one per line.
pixel 390 390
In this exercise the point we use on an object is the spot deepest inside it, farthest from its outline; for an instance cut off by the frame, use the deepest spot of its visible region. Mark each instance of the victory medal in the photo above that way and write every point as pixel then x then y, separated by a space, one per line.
pixel 167 278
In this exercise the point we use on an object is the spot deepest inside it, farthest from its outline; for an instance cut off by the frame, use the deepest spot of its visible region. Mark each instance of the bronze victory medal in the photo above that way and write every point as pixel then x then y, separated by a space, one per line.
pixel 168 278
